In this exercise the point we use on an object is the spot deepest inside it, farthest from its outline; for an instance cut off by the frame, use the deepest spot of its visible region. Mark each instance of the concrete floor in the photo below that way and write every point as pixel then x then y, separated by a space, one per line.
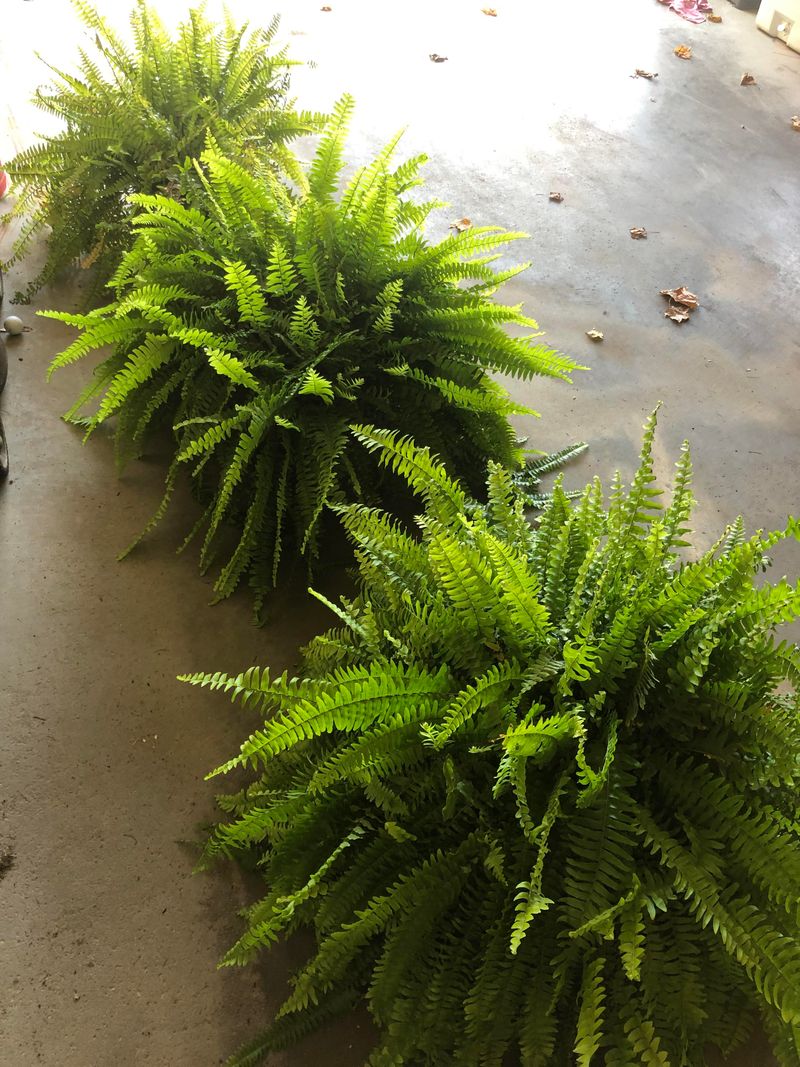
pixel 107 941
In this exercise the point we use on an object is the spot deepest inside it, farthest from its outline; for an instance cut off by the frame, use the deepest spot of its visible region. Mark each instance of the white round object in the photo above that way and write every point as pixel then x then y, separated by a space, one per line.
pixel 13 325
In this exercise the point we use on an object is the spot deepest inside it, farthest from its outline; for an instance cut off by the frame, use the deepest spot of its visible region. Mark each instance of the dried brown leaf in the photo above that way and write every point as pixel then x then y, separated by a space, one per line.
pixel 91 257
pixel 683 51
pixel 638 233
pixel 437 58
pixel 461 224
pixel 713 18
pixel 748 79
pixel 681 295
pixel 594 335
pixel 556 197
pixel 795 121
pixel 490 11
pixel 677 313
pixel 639 73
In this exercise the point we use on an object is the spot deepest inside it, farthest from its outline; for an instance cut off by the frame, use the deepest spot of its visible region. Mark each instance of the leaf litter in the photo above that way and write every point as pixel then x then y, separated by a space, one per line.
pixel 677 312
pixel 682 303
pixel 681 295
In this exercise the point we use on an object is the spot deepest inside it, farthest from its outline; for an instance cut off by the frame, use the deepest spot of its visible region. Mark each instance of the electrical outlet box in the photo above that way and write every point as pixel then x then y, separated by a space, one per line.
pixel 781 19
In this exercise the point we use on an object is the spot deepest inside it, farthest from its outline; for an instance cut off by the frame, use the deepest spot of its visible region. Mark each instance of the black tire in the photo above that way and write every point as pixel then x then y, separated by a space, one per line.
pixel 3 454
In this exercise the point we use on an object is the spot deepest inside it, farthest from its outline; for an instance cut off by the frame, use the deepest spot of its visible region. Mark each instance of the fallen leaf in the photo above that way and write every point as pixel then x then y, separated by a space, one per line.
pixel 681 295
pixel 748 79
pixel 556 197
pixel 683 51
pixel 795 121
pixel 91 257
pixel 677 313
pixel 326 8
pixel 489 11
pixel 639 73
pixel 638 233
pixel 713 18
pixel 594 335
pixel 437 59
pixel 461 224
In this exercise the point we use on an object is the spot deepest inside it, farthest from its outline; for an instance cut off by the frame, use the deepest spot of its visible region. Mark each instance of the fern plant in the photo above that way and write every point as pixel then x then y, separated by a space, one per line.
pixel 132 118
pixel 536 793
pixel 261 323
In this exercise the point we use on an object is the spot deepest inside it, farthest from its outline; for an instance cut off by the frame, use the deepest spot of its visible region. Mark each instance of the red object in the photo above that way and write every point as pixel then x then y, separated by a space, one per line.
pixel 691 10
pixel 4 183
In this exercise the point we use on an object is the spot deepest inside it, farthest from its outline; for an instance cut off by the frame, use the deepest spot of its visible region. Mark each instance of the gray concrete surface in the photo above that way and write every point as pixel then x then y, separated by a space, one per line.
pixel 107 941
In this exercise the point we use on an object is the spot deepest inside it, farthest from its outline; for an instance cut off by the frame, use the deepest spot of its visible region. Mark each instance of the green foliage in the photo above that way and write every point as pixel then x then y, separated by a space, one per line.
pixel 262 323
pixel 537 795
pixel 134 116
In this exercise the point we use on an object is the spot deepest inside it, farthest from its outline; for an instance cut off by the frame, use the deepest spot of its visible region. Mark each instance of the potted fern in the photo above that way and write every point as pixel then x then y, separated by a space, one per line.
pixel 261 322
pixel 535 794
pixel 133 117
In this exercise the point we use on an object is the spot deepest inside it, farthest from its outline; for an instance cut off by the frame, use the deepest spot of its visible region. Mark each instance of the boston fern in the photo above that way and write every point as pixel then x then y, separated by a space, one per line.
pixel 134 116
pixel 536 795
pixel 261 322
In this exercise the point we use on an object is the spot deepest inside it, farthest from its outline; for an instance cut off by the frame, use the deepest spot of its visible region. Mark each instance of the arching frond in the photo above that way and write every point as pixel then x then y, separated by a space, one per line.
pixel 565 766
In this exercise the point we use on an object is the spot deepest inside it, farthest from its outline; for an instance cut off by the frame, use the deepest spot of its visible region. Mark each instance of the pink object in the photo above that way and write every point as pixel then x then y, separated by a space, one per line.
pixel 4 184
pixel 691 10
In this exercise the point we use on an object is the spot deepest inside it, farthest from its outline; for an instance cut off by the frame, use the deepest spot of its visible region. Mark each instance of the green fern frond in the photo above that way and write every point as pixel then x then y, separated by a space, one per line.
pixel 286 313
pixel 130 119
pixel 564 763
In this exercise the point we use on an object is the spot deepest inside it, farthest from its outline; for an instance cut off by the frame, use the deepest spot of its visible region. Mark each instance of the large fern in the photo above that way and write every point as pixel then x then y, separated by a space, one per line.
pixel 261 323
pixel 536 793
pixel 134 116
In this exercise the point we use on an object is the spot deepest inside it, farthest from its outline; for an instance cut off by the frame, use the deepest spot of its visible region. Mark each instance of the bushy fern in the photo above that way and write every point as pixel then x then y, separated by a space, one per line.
pixel 133 116
pixel 261 323
pixel 536 793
